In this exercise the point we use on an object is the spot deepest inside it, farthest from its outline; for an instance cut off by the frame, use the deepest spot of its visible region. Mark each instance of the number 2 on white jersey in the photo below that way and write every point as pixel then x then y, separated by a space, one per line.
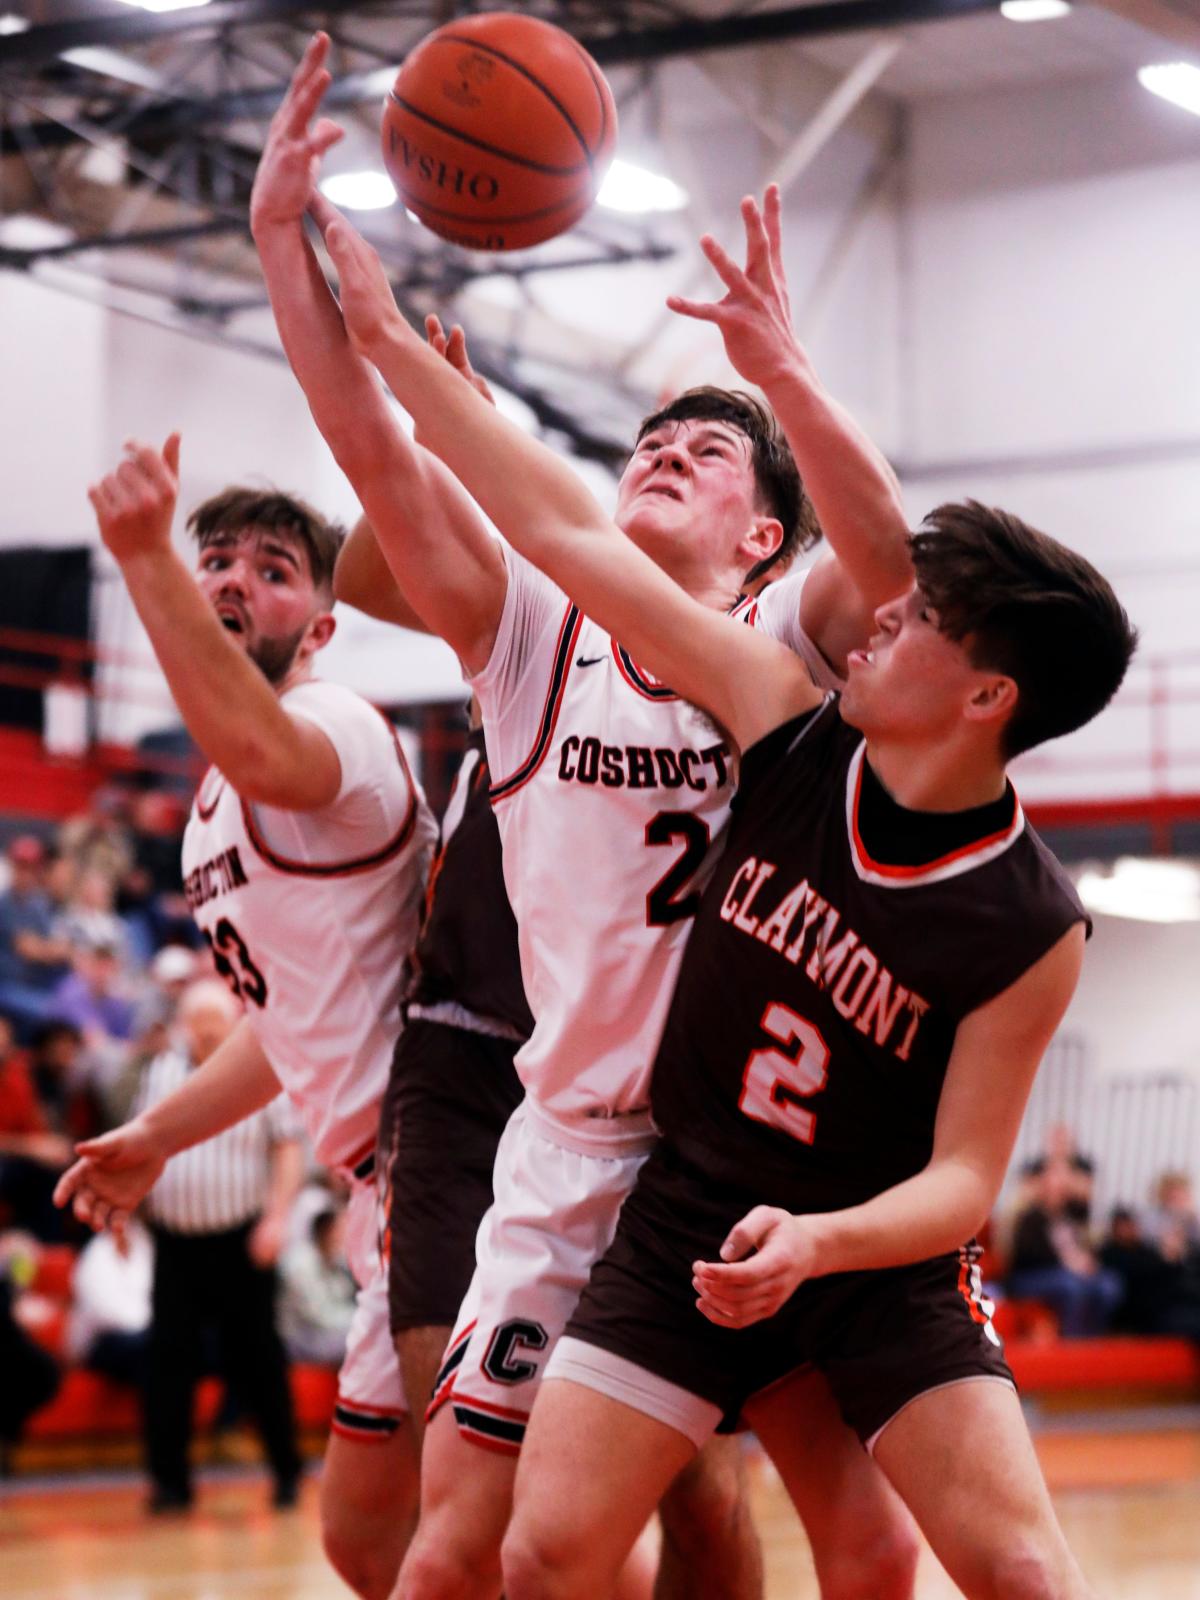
pixel 776 1082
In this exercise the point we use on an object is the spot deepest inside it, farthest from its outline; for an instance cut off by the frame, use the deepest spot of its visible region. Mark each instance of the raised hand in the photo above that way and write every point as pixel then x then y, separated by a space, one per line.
pixel 113 1175
pixel 744 1287
pixel 755 316
pixel 453 346
pixel 135 504
pixel 291 160
pixel 369 308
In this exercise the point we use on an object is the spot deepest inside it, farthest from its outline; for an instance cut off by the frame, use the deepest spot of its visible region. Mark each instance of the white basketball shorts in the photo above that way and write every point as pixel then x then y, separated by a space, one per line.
pixel 370 1398
pixel 554 1214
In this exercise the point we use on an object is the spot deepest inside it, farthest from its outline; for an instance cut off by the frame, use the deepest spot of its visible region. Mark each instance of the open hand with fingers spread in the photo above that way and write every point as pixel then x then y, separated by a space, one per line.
pixel 112 1176
pixel 135 503
pixel 453 346
pixel 755 316
pixel 763 1261
pixel 369 308
pixel 291 160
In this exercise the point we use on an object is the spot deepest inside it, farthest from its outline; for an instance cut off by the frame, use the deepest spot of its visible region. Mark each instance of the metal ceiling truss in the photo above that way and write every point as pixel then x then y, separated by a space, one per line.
pixel 139 132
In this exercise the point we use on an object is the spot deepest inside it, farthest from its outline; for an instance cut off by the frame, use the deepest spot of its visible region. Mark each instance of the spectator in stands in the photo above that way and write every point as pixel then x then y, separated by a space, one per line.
pixel 1052 1257
pixel 94 997
pixel 317 1302
pixel 55 1063
pixel 31 1154
pixel 109 1326
pixel 1172 1222
pixel 172 970
pixel 32 958
pixel 99 838
pixel 1078 1170
pixel 31 1376
pixel 89 920
pixel 218 1214
pixel 150 898
pixel 1161 1289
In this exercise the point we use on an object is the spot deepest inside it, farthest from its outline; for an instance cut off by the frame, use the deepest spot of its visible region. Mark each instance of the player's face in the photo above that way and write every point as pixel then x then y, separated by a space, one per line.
pixel 690 484
pixel 911 682
pixel 259 583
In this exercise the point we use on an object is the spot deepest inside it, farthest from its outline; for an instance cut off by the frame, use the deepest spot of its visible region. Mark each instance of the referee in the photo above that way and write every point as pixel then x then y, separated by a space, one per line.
pixel 218 1214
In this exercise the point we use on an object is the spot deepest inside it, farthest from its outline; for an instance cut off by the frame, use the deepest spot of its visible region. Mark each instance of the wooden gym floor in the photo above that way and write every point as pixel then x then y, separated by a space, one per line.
pixel 1129 1501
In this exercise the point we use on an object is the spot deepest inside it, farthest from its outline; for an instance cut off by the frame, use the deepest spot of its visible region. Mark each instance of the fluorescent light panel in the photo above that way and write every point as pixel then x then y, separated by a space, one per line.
pixel 1176 81
pixel 1034 10
pixel 630 188
pixel 164 5
pixel 359 191
pixel 1144 890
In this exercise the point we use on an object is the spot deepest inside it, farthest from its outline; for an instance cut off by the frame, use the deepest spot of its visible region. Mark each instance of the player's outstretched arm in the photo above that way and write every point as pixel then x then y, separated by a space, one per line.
pixel 227 704
pixel 996 1054
pixel 853 489
pixel 747 681
pixel 116 1172
pixel 362 578
pixel 447 565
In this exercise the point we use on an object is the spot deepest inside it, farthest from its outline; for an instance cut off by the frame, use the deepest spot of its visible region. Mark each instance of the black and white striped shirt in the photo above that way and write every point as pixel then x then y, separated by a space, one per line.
pixel 223 1182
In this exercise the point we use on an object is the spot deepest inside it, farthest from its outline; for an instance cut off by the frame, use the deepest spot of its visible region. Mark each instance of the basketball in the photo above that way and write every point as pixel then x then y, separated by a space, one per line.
pixel 498 131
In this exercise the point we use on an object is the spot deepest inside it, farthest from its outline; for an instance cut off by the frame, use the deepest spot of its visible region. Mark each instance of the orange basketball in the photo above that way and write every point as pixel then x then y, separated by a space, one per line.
pixel 498 131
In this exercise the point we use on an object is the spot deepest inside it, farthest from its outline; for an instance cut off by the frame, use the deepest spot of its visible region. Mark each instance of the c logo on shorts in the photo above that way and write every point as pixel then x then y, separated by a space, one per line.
pixel 502 1362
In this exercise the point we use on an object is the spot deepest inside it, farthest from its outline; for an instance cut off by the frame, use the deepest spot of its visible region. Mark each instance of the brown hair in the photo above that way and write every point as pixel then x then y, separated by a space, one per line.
pixel 237 508
pixel 1025 605
pixel 776 475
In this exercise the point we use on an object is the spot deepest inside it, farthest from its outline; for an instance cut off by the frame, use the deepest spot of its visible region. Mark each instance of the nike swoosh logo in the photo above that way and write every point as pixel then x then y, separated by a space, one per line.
pixel 589 661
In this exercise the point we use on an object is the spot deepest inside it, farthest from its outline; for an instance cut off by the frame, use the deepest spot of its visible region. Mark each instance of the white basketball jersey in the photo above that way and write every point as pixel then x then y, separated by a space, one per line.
pixel 611 795
pixel 311 916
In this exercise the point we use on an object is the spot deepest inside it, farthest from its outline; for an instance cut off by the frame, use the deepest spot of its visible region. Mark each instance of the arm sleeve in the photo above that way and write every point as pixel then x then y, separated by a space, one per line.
pixel 513 686
pixel 777 613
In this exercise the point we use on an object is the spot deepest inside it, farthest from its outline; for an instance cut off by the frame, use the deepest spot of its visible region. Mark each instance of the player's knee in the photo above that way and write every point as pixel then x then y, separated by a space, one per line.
pixel 356 1560
pixel 707 1503
pixel 881 1567
pixel 442 1569
pixel 1026 1569
pixel 537 1566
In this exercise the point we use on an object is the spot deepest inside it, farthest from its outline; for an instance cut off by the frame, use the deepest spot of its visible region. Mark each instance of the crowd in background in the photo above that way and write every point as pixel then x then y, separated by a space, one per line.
pixel 107 996
pixel 98 957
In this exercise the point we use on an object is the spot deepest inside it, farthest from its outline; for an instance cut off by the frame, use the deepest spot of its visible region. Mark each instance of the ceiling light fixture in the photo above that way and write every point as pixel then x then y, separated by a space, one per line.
pixel 164 5
pixel 1144 890
pixel 359 191
pixel 1176 81
pixel 10 22
pixel 630 188
pixel 1034 10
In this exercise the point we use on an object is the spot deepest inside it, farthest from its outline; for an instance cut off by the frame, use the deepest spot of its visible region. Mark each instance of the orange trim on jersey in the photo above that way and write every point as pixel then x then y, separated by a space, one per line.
pixel 341 869
pixel 202 811
pixel 364 1150
pixel 978 1314
pixel 910 874
pixel 568 635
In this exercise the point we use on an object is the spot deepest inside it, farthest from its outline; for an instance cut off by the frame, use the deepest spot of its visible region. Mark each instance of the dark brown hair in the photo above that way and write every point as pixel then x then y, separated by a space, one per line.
pixel 776 475
pixel 1025 605
pixel 237 508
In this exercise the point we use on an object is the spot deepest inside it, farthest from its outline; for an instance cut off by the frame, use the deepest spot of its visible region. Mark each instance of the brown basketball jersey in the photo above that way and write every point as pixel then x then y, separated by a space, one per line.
pixel 467 953
pixel 812 1026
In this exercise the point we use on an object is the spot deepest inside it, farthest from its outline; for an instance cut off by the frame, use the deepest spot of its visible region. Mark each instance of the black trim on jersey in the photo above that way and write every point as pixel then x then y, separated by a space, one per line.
pixel 341 869
pixel 482 1422
pixel 637 679
pixel 363 1422
pixel 567 637
pixel 202 811
pixel 452 1363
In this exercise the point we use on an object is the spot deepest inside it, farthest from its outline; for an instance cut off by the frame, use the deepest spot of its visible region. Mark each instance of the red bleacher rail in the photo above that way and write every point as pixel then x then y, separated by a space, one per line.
pixel 1160 763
